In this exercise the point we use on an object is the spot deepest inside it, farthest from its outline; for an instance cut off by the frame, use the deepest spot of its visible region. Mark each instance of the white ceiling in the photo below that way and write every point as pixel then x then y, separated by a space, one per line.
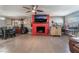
pixel 53 10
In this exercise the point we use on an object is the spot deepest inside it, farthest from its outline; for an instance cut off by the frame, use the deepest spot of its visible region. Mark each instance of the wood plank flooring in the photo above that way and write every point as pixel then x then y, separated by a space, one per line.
pixel 35 44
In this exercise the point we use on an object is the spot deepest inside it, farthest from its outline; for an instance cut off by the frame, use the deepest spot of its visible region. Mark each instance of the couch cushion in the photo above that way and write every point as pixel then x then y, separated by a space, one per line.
pixel 75 39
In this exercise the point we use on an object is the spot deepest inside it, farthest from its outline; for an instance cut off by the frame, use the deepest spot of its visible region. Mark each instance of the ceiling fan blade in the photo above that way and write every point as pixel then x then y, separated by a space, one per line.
pixel 28 11
pixel 34 7
pixel 26 8
pixel 39 10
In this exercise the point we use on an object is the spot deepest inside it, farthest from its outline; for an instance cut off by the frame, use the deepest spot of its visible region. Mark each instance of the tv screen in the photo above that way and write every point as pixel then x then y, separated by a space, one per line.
pixel 40 18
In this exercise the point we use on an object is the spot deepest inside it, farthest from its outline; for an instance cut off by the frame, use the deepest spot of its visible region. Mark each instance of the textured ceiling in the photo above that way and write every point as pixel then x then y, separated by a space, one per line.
pixel 53 10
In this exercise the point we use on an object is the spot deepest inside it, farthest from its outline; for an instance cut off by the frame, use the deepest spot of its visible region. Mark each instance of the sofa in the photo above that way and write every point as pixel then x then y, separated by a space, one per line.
pixel 74 44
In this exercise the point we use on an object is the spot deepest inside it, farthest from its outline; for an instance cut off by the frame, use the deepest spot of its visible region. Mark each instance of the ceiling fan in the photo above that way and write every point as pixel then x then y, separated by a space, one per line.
pixel 34 9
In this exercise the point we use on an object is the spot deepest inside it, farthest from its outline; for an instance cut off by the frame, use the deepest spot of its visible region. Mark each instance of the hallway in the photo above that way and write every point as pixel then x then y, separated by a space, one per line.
pixel 35 44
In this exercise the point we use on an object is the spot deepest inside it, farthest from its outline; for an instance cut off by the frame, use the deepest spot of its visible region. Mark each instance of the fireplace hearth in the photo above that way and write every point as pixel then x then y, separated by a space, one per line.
pixel 40 29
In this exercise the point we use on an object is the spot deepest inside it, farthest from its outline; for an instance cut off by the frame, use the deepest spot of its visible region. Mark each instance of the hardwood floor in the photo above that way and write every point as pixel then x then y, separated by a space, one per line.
pixel 35 44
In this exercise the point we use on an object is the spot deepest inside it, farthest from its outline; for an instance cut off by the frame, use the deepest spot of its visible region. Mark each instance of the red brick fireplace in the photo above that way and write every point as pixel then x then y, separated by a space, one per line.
pixel 40 24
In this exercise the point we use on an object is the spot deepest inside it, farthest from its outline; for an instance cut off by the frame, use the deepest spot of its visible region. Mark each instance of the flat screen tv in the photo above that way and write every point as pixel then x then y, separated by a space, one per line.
pixel 40 18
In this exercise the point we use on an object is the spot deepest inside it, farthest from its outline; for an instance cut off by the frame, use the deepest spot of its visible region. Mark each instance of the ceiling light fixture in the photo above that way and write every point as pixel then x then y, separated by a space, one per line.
pixel 2 18
pixel 33 10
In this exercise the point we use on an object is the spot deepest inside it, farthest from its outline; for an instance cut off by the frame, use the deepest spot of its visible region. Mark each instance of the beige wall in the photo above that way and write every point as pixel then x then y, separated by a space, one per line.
pixel 8 22
pixel 27 22
pixel 56 19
